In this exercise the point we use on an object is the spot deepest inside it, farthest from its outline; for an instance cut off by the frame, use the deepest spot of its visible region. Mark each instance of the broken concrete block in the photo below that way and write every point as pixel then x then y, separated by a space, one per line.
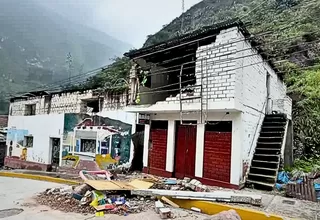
pixel 158 205
pixel 165 213
pixel 225 215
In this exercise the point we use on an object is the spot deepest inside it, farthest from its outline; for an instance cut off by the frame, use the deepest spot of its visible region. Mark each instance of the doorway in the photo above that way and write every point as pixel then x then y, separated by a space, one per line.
pixel 185 154
pixel 55 152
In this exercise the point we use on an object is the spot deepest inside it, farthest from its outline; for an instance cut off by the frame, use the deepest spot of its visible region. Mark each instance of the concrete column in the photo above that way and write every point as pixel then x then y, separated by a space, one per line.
pixel 61 149
pixel 146 145
pixel 133 130
pixel 170 146
pixel 110 144
pixel 236 150
pixel 199 150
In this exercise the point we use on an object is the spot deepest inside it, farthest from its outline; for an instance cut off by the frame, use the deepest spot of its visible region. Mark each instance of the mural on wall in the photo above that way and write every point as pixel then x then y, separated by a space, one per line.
pixel 117 140
pixel 15 139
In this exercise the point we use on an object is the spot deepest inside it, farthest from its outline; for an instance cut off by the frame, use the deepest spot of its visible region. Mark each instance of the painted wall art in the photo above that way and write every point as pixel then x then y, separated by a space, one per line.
pixel 115 140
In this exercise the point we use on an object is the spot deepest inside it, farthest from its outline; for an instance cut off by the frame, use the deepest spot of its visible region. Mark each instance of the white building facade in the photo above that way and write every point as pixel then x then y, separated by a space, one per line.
pixel 210 131
pixel 49 126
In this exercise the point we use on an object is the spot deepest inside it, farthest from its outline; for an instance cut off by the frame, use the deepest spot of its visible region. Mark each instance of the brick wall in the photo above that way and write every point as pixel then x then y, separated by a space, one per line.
pixel 158 152
pixel 217 156
pixel 3 121
pixel 67 103
pixel 215 66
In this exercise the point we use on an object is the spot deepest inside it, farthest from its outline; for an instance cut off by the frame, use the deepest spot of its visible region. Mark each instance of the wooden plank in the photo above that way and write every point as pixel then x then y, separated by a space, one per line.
pixel 139 184
pixel 103 185
pixel 168 201
pixel 313 191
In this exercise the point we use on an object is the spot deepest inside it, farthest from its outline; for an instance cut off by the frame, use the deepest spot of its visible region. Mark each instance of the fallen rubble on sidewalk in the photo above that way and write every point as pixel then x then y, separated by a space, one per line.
pixel 136 195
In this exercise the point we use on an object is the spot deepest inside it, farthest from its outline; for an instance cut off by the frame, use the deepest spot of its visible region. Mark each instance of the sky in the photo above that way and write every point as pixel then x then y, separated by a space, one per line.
pixel 127 20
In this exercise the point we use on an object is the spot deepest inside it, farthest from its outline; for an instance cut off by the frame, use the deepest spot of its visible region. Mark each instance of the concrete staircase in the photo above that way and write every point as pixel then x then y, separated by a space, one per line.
pixel 266 160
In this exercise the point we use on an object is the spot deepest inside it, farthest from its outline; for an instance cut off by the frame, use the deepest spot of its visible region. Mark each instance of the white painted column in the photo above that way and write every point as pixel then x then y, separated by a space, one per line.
pixel 236 150
pixel 97 144
pixel 133 130
pixel 170 146
pixel 146 145
pixel 199 150
pixel 110 144
pixel 60 153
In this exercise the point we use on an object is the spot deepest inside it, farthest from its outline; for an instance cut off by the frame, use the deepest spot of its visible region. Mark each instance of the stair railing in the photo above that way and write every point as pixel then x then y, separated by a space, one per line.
pixel 255 133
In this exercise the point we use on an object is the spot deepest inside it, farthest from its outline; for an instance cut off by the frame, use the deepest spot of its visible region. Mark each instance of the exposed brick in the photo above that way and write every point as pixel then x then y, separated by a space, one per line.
pixel 217 156
pixel 158 153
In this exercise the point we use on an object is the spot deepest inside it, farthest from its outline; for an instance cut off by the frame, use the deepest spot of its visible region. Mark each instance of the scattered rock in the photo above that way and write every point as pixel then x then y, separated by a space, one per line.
pixel 225 215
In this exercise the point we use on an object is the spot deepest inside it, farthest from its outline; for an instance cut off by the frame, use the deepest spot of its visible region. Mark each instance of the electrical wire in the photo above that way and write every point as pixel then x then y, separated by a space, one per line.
pixel 87 74
pixel 252 64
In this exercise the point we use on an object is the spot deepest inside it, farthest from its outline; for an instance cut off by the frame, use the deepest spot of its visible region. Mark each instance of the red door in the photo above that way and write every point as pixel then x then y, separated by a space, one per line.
pixel 185 155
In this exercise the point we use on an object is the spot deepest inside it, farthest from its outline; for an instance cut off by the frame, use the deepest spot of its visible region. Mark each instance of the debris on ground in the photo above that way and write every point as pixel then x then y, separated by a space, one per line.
pixel 93 201
pixel 225 215
pixel 128 196
pixel 300 185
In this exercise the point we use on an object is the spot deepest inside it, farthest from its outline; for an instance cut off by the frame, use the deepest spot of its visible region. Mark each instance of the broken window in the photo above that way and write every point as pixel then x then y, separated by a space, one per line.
pixel 28 141
pixel 30 109
pixel 93 105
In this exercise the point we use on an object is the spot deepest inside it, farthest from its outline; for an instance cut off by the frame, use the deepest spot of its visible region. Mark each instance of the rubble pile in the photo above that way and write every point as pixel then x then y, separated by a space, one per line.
pixel 136 195
pixel 75 200
pixel 225 215
pixel 180 185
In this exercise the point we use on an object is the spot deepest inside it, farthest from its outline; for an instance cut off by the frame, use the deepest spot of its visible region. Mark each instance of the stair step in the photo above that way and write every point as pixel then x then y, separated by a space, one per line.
pixel 270 143
pixel 264 168
pixel 260 183
pixel 271 149
pixel 262 161
pixel 274 123
pixel 263 176
pixel 271 137
pixel 280 115
pixel 266 155
pixel 273 127
pixel 272 132
pixel 278 134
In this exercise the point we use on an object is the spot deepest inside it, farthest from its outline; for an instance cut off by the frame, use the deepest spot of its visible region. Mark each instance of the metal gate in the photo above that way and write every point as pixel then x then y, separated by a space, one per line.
pixel 185 155
pixel 3 148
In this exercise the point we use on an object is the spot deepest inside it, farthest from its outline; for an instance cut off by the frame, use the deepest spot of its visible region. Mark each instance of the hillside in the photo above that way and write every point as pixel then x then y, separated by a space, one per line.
pixel 289 30
pixel 34 43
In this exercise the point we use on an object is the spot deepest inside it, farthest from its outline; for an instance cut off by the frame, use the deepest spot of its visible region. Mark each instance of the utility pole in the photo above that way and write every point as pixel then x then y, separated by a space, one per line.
pixel 69 62
pixel 182 18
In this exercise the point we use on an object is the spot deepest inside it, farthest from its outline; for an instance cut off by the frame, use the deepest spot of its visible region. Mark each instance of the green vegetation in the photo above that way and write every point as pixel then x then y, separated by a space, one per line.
pixel 288 30
pixel 111 79
pixel 305 165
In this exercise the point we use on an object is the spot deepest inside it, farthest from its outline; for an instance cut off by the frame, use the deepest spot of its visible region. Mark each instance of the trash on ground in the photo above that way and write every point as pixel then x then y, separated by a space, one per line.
pixel 125 196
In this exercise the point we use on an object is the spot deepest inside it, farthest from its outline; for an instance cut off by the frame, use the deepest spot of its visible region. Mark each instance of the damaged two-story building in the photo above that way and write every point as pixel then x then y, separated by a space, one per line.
pixel 44 126
pixel 216 108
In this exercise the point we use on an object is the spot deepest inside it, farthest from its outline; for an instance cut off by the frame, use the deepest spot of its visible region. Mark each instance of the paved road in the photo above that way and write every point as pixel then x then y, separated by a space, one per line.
pixel 14 193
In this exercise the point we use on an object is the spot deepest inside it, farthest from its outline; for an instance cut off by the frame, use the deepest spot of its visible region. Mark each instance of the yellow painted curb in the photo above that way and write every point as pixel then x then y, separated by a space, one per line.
pixel 39 177
pixel 212 208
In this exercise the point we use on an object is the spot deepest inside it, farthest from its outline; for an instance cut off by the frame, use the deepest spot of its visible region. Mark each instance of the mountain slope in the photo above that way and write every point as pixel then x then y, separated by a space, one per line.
pixel 289 22
pixel 34 43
